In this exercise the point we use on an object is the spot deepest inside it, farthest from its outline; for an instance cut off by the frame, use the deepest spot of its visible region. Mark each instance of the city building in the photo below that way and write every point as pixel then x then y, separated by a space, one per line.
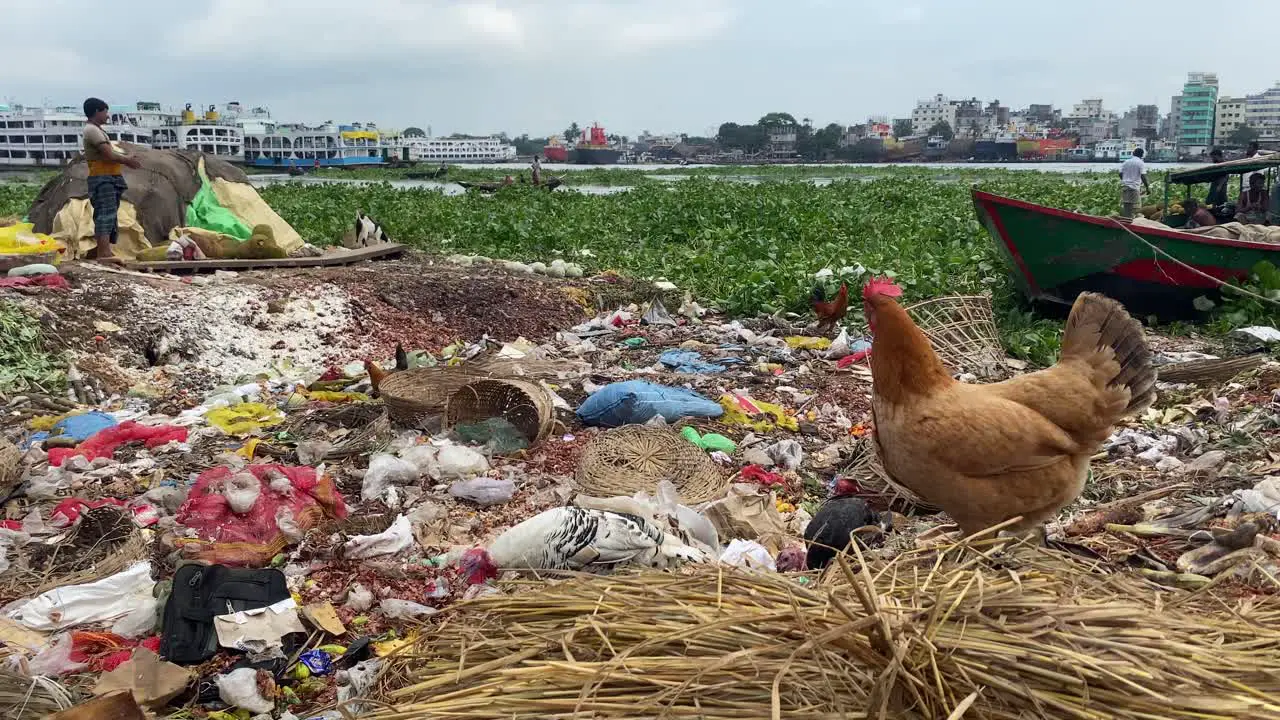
pixel 928 113
pixel 1199 105
pixel 1142 121
pixel 1228 116
pixel 969 121
pixel 782 141
pixel 1043 114
pixel 1262 113
pixel 1173 127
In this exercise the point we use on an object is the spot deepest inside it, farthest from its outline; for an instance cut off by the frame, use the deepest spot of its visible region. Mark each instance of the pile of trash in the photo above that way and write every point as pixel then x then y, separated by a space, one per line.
pixel 260 546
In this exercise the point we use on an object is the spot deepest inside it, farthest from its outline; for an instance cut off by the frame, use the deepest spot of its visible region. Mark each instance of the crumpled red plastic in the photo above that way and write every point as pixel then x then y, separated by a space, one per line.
pixel 757 474
pixel 52 280
pixel 105 651
pixel 105 442
pixel 254 537
pixel 67 512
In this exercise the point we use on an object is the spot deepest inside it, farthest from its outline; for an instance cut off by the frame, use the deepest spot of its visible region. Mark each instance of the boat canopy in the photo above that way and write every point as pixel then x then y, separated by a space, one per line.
pixel 1209 173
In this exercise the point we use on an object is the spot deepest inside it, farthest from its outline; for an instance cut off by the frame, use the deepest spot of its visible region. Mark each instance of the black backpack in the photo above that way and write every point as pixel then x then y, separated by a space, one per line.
pixel 201 592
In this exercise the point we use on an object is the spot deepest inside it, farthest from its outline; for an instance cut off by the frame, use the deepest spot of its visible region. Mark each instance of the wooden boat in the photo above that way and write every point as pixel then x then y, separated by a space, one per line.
pixel 551 183
pixel 1056 254
pixel 428 175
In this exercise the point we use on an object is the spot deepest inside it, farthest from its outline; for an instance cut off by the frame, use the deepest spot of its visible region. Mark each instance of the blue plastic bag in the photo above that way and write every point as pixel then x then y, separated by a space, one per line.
pixel 636 401
pixel 77 427
pixel 689 362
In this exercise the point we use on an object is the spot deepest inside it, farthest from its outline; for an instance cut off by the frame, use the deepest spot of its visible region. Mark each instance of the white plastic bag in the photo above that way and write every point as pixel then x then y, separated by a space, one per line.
pixel 397 609
pixel 384 471
pixel 422 457
pixel 242 491
pixel 239 688
pixel 359 598
pixel 458 461
pixel 311 452
pixel 394 539
pixel 140 621
pixel 55 659
pixel 748 554
pixel 106 599
pixel 483 491
pixel 786 453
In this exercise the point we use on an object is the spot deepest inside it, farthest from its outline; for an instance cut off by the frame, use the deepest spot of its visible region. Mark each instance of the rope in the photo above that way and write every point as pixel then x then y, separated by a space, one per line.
pixel 1197 271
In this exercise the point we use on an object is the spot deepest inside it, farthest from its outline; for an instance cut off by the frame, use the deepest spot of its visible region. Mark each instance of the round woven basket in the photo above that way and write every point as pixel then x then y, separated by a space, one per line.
pixel 524 404
pixel 10 465
pixel 413 396
pixel 963 331
pixel 632 458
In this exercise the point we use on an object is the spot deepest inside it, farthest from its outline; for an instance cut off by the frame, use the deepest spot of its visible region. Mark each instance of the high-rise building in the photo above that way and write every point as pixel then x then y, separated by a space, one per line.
pixel 1262 113
pixel 931 112
pixel 1173 128
pixel 1199 106
pixel 1228 116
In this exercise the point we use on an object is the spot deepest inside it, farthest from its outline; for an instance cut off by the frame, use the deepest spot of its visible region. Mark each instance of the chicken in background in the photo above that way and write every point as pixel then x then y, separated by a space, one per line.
pixel 377 374
pixel 829 312
pixel 989 453
pixel 840 520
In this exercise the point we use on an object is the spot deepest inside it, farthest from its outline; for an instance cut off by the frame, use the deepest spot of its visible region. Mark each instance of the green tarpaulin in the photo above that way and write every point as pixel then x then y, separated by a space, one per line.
pixel 206 212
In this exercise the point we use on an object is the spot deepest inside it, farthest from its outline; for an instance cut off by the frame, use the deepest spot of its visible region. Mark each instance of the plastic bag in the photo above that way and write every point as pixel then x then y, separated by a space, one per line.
pixel 394 539
pixel 484 491
pixel 636 401
pixel 787 454
pixel 422 457
pixel 72 605
pixel 457 461
pixel 239 688
pixel 242 491
pixel 760 416
pixel 55 659
pixel 311 452
pixel 710 441
pixel 140 621
pixel 748 554
pixel 244 418
pixel 359 598
pixel 404 609
pixel 22 239
pixel 384 471
pixel 104 443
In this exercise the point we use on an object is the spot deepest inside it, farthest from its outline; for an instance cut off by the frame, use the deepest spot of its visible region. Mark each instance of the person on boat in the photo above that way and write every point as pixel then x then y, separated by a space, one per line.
pixel 1133 179
pixel 1217 188
pixel 1197 216
pixel 1254 202
pixel 106 177
pixel 537 170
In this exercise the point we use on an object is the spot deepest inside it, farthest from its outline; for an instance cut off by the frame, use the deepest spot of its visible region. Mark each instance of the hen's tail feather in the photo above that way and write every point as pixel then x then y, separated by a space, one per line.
pixel 1096 322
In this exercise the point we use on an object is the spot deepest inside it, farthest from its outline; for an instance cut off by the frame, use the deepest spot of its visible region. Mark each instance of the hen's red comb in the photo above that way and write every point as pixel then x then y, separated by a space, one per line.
pixel 881 286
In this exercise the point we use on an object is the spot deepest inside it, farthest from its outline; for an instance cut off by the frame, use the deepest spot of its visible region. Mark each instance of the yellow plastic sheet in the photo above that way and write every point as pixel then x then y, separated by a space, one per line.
pixel 770 416
pixel 804 342
pixel 22 239
pixel 244 418
pixel 73 225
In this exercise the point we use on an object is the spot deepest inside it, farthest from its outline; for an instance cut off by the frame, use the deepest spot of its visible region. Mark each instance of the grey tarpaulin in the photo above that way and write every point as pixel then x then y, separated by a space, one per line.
pixel 160 191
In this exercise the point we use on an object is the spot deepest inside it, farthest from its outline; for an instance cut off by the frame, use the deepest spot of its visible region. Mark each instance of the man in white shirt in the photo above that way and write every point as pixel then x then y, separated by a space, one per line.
pixel 1133 179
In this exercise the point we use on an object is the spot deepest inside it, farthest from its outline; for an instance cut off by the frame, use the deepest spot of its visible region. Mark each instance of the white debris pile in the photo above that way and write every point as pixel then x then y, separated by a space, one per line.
pixel 236 330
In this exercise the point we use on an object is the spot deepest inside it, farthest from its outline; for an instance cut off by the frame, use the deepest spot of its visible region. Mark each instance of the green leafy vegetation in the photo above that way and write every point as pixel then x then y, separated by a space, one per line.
pixel 748 248
pixel 23 361
pixel 16 198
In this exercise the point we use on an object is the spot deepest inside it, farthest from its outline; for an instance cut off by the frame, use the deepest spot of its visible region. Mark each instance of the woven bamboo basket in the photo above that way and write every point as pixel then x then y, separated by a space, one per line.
pixel 10 465
pixel 962 330
pixel 632 458
pixel 526 405
pixel 414 396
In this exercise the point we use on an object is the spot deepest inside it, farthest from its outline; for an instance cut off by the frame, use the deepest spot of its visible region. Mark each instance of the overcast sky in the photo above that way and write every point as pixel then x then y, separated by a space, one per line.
pixel 661 65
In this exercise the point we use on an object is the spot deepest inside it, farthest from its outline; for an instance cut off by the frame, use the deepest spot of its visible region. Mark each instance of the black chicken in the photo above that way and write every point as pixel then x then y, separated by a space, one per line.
pixel 839 518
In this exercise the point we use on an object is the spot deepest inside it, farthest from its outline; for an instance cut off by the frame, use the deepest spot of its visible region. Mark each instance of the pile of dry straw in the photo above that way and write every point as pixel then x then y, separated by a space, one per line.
pixel 928 635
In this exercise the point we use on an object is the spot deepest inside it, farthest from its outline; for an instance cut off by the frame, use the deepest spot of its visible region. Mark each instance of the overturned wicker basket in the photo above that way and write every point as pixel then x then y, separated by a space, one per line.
pixel 526 405
pixel 413 396
pixel 962 330
pixel 632 458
